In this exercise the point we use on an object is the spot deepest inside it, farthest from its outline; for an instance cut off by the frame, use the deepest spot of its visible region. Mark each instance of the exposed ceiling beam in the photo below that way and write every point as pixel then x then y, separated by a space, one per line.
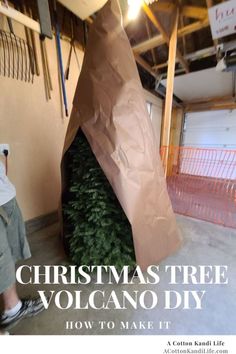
pixel 203 53
pixel 150 14
pixel 145 65
pixel 158 40
pixel 181 21
pixel 210 103
pixel 210 106
pixel 148 44
pixel 193 27
pixel 161 66
pixel 163 6
pixel 187 11
pixel 164 34
pixel 150 36
pixel 199 13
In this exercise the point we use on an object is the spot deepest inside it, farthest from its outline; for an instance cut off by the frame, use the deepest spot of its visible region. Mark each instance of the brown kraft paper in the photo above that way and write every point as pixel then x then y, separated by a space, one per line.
pixel 110 108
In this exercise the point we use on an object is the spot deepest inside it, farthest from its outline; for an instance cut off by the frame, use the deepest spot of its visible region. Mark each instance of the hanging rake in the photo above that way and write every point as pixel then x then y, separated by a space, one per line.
pixel 16 57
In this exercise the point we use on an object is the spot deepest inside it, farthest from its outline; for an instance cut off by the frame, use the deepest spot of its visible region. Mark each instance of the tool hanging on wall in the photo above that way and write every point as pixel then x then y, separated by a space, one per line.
pixel 15 55
pixel 21 8
pixel 46 31
pixel 59 53
pixel 46 71
pixel 30 36
pixel 72 48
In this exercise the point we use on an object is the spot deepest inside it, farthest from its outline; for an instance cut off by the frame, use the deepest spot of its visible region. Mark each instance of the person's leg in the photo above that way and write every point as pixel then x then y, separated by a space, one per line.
pixel 13 247
pixel 7 267
pixel 10 302
pixel 10 298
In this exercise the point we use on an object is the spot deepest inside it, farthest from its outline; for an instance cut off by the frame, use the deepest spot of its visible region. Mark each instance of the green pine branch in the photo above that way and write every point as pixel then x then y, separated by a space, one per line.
pixel 99 231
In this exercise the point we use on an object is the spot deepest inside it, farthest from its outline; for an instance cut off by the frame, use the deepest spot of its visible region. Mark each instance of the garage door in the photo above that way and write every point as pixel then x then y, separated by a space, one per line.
pixel 209 141
pixel 211 129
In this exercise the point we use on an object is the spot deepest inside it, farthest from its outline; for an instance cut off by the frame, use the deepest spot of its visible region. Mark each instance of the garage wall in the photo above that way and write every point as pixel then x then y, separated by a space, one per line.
pixel 35 130
pixel 155 111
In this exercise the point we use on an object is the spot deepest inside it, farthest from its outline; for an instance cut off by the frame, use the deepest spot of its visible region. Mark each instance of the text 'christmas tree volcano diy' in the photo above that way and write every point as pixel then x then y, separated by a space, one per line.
pixel 110 109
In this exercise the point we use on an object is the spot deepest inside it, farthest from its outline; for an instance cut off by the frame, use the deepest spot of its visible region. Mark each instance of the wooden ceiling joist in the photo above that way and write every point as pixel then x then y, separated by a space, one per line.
pixel 150 14
pixel 181 22
pixel 164 34
pixel 203 53
pixel 148 44
pixel 199 13
pixel 163 6
pixel 210 107
pixel 158 40
pixel 145 65
pixel 149 36
pixel 210 103
pixel 193 27
pixel 187 11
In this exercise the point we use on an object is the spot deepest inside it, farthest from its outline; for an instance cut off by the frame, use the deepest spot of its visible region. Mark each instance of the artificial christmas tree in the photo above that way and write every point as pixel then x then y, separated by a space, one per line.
pixel 98 230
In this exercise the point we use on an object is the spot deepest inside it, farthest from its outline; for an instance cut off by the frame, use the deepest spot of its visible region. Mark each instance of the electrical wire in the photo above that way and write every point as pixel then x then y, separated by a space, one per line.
pixel 5 152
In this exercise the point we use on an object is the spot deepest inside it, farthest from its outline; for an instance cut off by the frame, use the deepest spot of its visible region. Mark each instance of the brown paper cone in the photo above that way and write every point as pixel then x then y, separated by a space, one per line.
pixel 110 108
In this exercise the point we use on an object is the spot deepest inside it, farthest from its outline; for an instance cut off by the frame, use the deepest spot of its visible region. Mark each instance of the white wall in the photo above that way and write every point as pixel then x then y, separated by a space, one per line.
pixel 156 113
pixel 35 130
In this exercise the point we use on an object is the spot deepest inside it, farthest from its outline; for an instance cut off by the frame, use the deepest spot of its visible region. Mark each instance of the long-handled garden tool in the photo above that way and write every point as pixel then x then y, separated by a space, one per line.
pixel 59 53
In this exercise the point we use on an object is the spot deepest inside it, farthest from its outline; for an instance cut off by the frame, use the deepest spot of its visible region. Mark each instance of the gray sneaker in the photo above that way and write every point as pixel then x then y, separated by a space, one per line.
pixel 29 308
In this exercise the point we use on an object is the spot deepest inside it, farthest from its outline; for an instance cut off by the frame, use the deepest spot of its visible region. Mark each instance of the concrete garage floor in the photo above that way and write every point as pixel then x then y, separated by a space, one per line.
pixel 204 244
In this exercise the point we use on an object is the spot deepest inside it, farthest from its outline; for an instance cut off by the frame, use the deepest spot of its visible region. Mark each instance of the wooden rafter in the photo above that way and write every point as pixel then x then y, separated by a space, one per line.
pixel 193 27
pixel 210 103
pixel 187 11
pixel 148 44
pixel 199 13
pixel 150 14
pixel 164 34
pixel 163 6
pixel 145 65
pixel 202 53
pixel 149 36
pixel 210 106
pixel 158 40
pixel 181 21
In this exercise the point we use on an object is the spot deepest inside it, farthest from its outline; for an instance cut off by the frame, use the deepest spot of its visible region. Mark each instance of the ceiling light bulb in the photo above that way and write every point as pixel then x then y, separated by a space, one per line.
pixel 134 8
